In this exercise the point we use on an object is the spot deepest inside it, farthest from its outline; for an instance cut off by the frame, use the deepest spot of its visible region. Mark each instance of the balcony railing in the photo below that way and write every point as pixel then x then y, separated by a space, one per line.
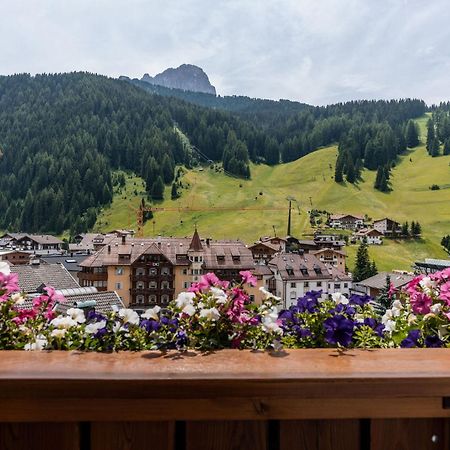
pixel 298 400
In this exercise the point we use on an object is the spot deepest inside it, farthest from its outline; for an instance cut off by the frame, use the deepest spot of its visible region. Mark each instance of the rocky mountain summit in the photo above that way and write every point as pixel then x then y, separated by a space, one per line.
pixel 186 77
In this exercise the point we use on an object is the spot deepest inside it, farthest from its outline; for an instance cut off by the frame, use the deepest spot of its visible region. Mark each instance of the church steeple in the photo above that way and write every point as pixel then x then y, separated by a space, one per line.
pixel 196 243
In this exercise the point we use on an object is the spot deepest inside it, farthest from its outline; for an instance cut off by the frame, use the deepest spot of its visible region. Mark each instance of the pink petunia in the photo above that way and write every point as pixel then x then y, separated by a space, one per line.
pixel 445 292
pixel 421 303
pixel 392 291
pixel 248 278
pixel 9 283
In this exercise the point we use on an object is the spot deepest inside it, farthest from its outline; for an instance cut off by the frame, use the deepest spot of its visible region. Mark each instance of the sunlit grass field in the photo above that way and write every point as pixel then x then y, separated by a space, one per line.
pixel 308 180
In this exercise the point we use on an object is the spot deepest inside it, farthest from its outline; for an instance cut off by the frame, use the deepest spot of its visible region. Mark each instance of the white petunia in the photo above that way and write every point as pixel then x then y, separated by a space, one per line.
pixel 389 326
pixel 268 295
pixel 270 321
pixel 5 269
pixel 184 298
pixel 38 344
pixel 93 328
pixel 218 295
pixel 189 310
pixel 388 315
pixel 152 313
pixel 18 298
pixel 63 322
pixel 339 298
pixel 76 314
pixel 427 285
pixel 411 319
pixel 436 308
pixel 59 333
pixel 129 316
pixel 210 313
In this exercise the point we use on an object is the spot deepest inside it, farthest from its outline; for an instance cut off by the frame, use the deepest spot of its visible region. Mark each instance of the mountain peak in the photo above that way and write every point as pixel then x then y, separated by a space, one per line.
pixel 186 77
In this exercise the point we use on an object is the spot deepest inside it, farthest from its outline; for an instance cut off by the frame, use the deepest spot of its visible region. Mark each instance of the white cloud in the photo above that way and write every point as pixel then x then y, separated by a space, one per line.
pixel 318 51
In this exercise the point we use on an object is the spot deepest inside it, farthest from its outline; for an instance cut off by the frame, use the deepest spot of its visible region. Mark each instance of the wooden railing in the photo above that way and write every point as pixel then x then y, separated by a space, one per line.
pixel 226 400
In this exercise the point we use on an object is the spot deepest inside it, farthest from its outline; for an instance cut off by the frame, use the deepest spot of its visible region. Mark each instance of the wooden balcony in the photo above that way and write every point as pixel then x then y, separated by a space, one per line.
pixel 323 399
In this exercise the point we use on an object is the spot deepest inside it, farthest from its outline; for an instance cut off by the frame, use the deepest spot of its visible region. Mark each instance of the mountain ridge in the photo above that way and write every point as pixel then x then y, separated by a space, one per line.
pixel 186 77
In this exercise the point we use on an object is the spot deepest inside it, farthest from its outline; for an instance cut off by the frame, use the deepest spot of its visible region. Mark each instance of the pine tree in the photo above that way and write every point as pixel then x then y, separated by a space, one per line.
pixel 405 229
pixel 383 300
pixel 174 194
pixel 338 173
pixel 431 135
pixel 351 173
pixel 363 267
pixel 412 137
pixel 378 178
pixel 434 151
pixel 447 147
pixel 157 191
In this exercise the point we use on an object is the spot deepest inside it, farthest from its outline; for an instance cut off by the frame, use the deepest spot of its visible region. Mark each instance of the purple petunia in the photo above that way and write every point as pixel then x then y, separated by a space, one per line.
pixel 433 342
pixel 411 340
pixel 359 300
pixel 375 325
pixel 150 325
pixel 339 330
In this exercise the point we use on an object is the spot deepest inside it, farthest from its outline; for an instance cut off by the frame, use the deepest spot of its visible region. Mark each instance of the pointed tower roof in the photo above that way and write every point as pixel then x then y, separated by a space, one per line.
pixel 196 243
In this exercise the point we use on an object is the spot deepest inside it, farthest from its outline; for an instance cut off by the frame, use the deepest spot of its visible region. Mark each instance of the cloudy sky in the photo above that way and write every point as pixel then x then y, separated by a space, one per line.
pixel 316 51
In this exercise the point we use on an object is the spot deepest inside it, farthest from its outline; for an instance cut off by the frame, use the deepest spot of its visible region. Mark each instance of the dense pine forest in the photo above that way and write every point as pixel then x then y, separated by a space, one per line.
pixel 62 135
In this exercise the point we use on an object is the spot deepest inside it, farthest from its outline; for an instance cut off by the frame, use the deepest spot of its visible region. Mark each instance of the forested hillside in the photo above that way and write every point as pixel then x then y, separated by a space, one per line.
pixel 62 135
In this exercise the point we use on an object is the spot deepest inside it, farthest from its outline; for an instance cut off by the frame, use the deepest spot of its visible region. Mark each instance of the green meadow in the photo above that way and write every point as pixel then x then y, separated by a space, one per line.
pixel 259 205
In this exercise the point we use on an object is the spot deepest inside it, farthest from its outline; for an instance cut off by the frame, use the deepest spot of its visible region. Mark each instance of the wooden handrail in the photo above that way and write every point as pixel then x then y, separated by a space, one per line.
pixel 224 385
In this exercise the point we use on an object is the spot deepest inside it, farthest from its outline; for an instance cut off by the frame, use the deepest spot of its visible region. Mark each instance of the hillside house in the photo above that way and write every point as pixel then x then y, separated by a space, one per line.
pixel 346 221
pixel 430 265
pixel 370 236
pixel 331 257
pixel 296 274
pixel 329 241
pixel 387 227
pixel 41 243
pixel 15 257
pixel 263 252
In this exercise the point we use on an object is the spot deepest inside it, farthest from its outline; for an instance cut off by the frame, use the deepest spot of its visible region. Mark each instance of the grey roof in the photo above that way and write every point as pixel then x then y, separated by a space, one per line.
pixel 32 277
pixel 295 263
pixel 105 302
pixel 379 281
pixel 71 263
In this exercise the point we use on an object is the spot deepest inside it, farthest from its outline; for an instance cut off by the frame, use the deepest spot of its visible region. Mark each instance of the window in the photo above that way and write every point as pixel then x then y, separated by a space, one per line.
pixel 185 271
pixel 345 285
pixel 252 298
pixel 118 285
pixel 165 285
pixel 153 285
pixel 152 298
pixel 195 258
pixel 119 270
pixel 306 284
pixel 319 284
pixel 165 271
pixel 293 285
pixel 100 283
pixel 337 285
pixel 140 285
pixel 164 298
pixel 140 299
pixel 140 271
pixel 293 295
pixel 153 271
pixel 186 285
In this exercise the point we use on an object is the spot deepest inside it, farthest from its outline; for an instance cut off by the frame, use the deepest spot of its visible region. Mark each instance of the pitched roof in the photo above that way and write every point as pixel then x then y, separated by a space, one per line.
pixel 292 266
pixel 196 244
pixel 42 238
pixel 368 232
pixel 327 249
pixel 379 281
pixel 105 302
pixel 32 277
pixel 342 216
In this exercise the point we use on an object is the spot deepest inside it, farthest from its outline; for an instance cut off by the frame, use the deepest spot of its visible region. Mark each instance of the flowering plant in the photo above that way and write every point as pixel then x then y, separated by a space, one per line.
pixel 420 314
pixel 335 322
pixel 215 314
